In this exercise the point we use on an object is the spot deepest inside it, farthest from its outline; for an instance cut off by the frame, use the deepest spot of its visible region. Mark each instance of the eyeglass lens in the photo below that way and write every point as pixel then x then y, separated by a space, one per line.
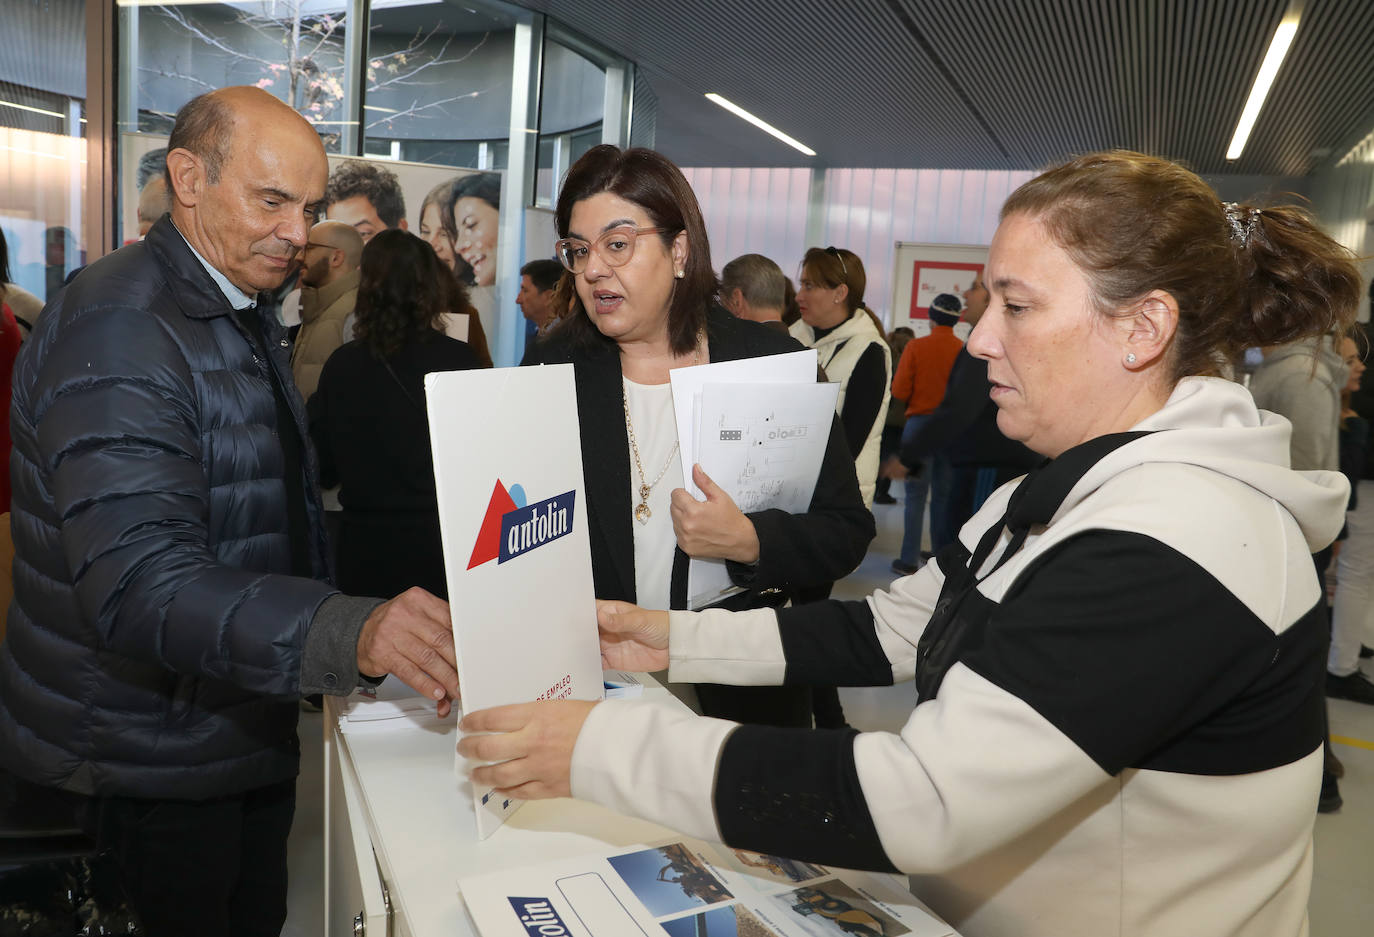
pixel 615 247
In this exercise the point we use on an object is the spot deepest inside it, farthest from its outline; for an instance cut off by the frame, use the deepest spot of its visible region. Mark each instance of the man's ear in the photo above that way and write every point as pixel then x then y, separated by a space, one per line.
pixel 188 176
pixel 1149 325
pixel 337 258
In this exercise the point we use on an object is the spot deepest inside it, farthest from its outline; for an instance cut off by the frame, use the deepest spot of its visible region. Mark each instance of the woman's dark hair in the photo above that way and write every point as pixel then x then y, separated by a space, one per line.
pixel 403 289
pixel 1242 275
pixel 652 182
pixel 4 263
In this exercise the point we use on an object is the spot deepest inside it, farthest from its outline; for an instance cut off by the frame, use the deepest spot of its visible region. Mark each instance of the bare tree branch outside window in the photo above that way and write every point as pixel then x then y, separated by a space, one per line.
pixel 296 50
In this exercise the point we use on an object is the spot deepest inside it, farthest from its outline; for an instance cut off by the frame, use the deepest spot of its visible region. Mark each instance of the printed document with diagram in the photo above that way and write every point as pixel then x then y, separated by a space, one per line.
pixel 759 428
pixel 685 888
pixel 513 519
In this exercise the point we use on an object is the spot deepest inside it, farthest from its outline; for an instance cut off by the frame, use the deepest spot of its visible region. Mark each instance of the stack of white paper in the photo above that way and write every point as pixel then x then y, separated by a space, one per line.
pixel 387 707
pixel 758 427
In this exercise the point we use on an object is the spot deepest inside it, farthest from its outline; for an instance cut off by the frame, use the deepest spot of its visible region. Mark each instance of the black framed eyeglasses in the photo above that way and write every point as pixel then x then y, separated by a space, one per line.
pixel 615 247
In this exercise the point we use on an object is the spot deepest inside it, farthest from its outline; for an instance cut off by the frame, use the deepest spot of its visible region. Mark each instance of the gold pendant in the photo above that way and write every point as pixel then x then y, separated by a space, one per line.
pixel 642 513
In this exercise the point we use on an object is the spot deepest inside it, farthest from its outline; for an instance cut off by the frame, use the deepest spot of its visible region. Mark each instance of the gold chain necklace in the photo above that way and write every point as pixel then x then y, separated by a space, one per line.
pixel 642 512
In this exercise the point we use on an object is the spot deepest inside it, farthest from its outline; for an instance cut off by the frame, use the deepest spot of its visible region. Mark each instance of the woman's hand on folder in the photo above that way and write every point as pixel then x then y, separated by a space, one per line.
pixel 715 528
pixel 632 638
pixel 531 745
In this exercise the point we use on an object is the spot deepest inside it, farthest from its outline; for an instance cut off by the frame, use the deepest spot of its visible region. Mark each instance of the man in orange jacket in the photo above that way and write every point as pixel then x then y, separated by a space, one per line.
pixel 920 380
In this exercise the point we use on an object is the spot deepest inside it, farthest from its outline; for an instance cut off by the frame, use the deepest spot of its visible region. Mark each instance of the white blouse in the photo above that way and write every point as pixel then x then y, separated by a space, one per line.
pixel 655 431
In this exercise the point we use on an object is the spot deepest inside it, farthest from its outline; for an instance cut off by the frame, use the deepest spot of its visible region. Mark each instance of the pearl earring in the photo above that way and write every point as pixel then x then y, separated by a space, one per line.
pixel 678 274
pixel 1130 358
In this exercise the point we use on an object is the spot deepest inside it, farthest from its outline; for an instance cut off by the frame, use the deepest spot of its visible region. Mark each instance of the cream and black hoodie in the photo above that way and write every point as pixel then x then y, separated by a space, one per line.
pixel 1120 722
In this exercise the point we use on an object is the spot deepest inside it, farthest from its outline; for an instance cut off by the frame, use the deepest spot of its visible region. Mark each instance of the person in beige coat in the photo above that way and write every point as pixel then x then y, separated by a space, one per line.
pixel 329 288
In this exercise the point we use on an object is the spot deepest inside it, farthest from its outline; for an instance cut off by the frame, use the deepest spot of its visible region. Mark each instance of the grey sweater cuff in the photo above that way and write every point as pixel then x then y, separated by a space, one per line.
pixel 329 663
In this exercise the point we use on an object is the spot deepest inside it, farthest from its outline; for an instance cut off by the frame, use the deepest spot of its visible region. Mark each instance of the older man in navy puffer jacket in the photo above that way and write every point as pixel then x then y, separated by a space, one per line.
pixel 171 602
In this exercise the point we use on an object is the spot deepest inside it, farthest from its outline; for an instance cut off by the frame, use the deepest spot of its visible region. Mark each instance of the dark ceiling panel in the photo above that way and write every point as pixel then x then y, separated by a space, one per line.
pixel 991 84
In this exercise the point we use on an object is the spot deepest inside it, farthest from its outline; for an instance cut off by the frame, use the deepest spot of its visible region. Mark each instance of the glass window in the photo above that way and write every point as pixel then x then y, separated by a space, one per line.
pixel 438 83
pixel 42 142
pixel 572 107
pixel 293 48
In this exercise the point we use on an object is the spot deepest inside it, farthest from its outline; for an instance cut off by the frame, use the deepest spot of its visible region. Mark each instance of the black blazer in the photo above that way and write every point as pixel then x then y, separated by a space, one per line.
pixel 963 428
pixel 795 550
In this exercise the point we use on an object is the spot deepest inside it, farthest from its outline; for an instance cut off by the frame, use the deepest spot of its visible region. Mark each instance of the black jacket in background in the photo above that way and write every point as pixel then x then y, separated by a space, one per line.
pixel 963 428
pixel 371 429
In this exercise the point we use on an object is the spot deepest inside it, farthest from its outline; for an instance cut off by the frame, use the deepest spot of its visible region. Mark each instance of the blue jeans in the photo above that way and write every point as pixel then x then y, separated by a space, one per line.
pixel 950 489
pixel 914 510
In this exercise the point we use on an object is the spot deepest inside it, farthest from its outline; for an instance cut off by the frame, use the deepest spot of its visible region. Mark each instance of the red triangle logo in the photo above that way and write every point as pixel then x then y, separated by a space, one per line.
pixel 488 546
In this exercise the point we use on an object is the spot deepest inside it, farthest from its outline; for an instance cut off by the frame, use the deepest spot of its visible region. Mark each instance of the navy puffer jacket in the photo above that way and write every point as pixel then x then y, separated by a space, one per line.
pixel 155 637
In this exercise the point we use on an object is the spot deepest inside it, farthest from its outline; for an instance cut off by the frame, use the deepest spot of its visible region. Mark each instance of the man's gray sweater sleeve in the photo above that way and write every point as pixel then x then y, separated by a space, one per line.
pixel 329 663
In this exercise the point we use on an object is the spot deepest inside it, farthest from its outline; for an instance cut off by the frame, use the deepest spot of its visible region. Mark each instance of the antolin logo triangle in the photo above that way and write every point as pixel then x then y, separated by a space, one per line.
pixel 511 527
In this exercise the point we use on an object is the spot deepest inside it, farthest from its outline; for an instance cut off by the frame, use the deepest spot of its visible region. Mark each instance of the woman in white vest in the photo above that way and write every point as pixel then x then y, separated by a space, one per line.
pixel 850 347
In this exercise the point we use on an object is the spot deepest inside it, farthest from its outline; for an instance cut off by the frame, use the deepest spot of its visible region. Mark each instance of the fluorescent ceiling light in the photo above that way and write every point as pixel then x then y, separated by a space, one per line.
pixel 383 110
pixel 1264 80
pixel 36 110
pixel 762 125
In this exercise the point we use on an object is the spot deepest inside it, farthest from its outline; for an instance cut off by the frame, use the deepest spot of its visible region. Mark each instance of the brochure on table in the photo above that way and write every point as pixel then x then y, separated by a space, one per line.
pixel 685 888
pixel 513 516
pixel 762 443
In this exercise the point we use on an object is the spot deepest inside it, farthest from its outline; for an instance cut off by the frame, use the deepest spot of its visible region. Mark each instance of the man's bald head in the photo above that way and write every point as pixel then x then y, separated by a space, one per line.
pixel 343 237
pixel 206 124
pixel 334 250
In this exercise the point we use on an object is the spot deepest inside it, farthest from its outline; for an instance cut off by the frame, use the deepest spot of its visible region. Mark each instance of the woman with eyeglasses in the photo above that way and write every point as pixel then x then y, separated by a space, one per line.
pixel 851 349
pixel 635 248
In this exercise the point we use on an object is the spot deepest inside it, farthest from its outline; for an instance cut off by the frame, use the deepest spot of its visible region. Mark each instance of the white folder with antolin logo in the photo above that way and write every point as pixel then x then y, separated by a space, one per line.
pixel 513 516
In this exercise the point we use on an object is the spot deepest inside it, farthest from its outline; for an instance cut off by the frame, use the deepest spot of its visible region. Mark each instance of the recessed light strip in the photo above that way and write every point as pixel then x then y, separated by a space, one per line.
pixel 36 110
pixel 766 127
pixel 1264 80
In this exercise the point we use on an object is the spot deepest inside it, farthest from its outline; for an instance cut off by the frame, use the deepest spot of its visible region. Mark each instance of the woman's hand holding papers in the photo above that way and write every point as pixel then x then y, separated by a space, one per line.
pixel 531 745
pixel 632 638
pixel 715 528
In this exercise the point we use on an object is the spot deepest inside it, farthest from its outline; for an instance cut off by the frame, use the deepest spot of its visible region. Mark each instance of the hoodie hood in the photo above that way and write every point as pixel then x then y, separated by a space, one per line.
pixel 1214 424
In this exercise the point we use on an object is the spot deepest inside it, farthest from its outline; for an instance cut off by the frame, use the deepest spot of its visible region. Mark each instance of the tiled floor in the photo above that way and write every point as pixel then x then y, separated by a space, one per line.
pixel 1343 888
